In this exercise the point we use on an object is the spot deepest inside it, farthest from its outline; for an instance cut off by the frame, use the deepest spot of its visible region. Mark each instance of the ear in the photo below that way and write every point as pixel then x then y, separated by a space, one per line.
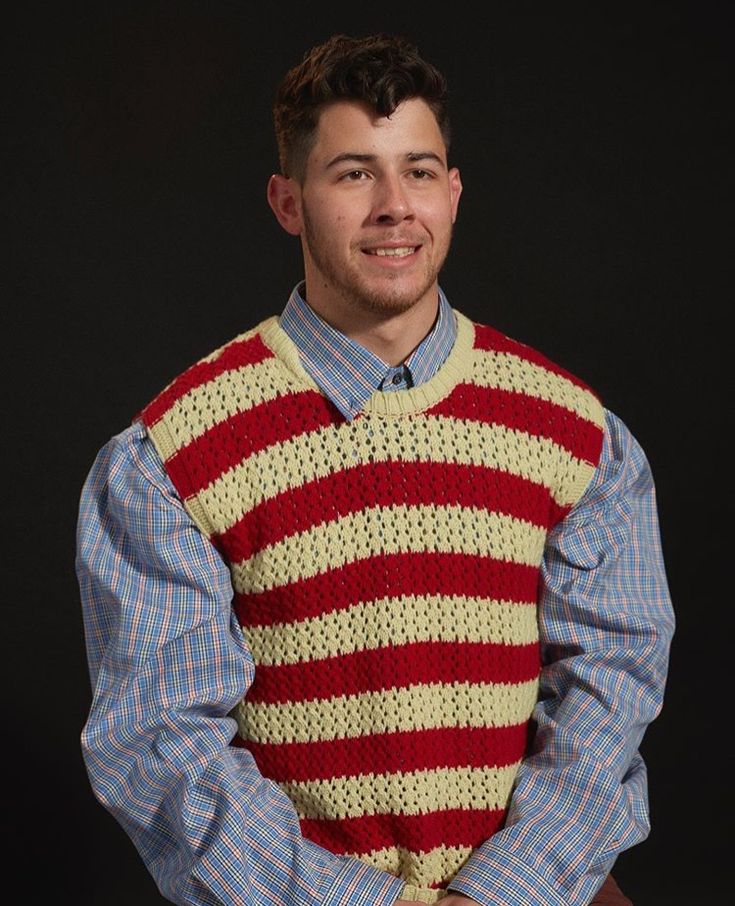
pixel 455 190
pixel 284 197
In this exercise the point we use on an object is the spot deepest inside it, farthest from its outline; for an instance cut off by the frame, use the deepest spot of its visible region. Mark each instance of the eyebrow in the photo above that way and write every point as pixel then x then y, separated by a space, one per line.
pixel 412 157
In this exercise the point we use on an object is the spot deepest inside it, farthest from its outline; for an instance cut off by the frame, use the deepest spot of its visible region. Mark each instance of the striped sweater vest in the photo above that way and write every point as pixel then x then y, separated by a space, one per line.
pixel 385 575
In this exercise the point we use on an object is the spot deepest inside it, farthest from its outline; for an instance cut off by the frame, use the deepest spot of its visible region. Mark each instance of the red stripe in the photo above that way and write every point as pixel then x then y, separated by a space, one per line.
pixel 520 412
pixel 388 753
pixel 390 575
pixel 228 443
pixel 395 667
pixel 490 339
pixel 235 355
pixel 418 833
pixel 384 484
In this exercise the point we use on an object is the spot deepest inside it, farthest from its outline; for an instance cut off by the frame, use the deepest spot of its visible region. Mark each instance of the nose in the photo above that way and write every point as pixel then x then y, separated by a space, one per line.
pixel 391 203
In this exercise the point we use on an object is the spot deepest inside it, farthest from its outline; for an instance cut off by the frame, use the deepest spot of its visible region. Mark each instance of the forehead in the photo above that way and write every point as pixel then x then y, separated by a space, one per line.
pixel 353 126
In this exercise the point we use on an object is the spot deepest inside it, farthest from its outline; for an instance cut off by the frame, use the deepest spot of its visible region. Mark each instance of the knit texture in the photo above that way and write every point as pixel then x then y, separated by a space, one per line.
pixel 385 575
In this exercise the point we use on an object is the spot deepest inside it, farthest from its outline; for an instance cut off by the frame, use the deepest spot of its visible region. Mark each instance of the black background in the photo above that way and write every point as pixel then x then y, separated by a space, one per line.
pixel 593 142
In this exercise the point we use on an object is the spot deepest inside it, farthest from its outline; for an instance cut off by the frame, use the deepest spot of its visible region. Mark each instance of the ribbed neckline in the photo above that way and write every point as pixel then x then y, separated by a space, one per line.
pixel 455 367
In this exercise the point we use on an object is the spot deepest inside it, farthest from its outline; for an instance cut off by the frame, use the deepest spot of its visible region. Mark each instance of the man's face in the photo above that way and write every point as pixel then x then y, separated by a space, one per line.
pixel 376 208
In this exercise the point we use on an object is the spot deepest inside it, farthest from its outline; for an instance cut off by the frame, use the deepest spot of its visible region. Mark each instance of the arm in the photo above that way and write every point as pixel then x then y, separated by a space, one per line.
pixel 167 662
pixel 605 622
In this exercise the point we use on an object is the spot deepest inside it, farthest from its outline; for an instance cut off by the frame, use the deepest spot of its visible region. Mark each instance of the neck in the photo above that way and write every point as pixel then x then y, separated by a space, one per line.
pixel 392 336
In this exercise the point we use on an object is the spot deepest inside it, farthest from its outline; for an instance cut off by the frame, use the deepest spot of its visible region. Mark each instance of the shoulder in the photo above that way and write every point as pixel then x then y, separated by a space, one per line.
pixel 245 349
pixel 128 468
pixel 624 470
pixel 508 364
pixel 490 340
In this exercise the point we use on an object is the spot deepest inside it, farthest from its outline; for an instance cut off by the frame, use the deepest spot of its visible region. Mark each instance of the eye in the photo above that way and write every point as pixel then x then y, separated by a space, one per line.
pixel 422 174
pixel 354 176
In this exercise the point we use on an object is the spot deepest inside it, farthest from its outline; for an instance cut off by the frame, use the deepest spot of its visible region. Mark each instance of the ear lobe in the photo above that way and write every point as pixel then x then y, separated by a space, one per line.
pixel 284 197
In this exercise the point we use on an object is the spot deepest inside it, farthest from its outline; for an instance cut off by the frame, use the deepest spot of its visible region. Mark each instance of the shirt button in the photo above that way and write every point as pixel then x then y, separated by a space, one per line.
pixel 397 378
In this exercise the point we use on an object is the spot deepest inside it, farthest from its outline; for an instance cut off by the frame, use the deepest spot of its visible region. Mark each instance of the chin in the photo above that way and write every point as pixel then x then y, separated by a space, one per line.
pixel 390 299
pixel 383 303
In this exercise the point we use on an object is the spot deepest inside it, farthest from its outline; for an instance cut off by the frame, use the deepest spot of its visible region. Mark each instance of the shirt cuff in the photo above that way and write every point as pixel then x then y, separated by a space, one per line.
pixel 501 879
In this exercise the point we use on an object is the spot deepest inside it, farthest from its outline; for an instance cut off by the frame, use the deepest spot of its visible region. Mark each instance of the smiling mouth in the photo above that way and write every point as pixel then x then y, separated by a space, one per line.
pixel 400 252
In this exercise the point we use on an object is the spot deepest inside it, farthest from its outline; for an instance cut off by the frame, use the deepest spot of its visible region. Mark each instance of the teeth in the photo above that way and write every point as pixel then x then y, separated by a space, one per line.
pixel 396 253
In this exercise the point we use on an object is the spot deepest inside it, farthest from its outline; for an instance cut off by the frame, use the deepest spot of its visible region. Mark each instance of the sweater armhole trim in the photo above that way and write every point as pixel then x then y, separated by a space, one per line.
pixel 162 440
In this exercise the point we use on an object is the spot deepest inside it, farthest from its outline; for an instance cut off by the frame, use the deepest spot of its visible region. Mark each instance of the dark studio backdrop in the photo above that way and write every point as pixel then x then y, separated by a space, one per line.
pixel 592 142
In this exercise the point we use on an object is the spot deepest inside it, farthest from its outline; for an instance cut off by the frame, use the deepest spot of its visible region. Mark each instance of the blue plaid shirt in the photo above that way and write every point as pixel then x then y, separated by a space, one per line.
pixel 168 661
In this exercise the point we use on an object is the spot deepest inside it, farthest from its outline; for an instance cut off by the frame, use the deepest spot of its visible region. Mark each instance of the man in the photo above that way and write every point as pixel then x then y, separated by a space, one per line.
pixel 374 599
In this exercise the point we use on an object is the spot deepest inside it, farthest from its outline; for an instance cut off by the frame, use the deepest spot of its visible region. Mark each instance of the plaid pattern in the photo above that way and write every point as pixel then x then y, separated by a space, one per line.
pixel 346 371
pixel 156 596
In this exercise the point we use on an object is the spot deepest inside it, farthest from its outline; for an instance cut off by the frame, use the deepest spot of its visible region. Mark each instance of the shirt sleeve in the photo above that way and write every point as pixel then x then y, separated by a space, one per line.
pixel 605 623
pixel 167 662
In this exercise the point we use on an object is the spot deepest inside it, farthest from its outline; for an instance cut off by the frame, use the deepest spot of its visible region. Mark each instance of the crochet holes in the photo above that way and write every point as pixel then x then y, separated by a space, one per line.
pixel 373 448
pixel 401 440
pixel 386 573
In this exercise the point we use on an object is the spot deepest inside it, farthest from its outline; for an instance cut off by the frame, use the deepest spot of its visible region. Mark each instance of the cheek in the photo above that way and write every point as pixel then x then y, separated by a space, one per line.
pixel 436 210
pixel 331 220
pixel 439 221
pixel 335 219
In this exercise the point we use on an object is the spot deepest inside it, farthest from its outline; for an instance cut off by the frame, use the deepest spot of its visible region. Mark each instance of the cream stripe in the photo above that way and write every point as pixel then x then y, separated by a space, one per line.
pixel 394 621
pixel 389 530
pixel 509 372
pixel 216 353
pixel 290 464
pixel 412 894
pixel 410 793
pixel 427 706
pixel 225 396
pixel 415 868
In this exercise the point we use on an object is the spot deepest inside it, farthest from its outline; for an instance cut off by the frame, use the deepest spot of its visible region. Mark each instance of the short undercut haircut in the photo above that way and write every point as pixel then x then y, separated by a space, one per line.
pixel 380 70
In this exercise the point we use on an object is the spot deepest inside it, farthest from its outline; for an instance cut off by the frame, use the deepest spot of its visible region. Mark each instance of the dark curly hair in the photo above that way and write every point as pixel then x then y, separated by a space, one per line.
pixel 381 70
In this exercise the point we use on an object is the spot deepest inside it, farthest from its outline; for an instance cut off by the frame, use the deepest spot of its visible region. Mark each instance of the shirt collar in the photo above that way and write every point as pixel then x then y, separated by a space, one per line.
pixel 345 370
